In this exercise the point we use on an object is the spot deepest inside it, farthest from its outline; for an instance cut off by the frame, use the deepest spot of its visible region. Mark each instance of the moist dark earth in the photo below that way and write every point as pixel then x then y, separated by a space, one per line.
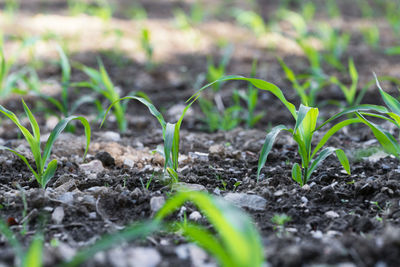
pixel 336 219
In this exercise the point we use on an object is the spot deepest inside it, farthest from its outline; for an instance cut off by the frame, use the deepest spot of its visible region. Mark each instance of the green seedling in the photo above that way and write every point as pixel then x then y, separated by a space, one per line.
pixel 251 99
pixel 63 106
pixel 251 20
pixel 101 83
pixel 214 71
pixel 44 172
pixel 236 242
pixel 305 127
pixel 349 92
pixel 313 57
pixel 306 120
pixel 280 220
pixel 335 45
pixel 33 257
pixel 371 36
pixel 225 120
pixel 147 47
pixel 9 80
pixel 307 90
pixel 170 133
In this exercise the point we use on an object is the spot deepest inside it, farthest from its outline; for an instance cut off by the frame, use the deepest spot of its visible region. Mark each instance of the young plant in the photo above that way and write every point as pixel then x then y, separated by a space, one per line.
pixel 170 132
pixel 101 83
pixel 305 127
pixel 63 106
pixel 306 121
pixel 9 80
pixel 33 257
pixel 44 172
pixel 147 47
pixel 251 99
pixel 236 242
pixel 371 36
pixel 335 45
pixel 307 90
pixel 349 92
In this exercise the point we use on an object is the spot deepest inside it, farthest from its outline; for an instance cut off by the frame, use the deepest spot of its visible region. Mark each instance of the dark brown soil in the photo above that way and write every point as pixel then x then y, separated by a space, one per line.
pixel 336 219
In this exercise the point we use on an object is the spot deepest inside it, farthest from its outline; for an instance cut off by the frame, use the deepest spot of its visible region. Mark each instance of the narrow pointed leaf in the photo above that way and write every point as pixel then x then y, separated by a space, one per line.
pixel 34 255
pixel 260 84
pixel 23 158
pixel 322 156
pixel 49 172
pixel 389 100
pixel 359 108
pixel 388 142
pixel 332 131
pixel 58 130
pixel 296 174
pixel 266 148
pixel 343 160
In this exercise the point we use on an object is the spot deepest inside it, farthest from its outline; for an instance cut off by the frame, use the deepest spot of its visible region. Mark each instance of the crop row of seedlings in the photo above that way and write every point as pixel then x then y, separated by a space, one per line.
pixel 236 242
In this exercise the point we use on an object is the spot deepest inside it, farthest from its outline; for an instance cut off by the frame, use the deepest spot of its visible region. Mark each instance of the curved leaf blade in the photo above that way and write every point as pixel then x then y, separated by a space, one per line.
pixel 266 148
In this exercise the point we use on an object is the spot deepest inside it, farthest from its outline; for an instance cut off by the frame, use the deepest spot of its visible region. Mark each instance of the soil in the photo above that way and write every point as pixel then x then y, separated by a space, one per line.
pixel 336 219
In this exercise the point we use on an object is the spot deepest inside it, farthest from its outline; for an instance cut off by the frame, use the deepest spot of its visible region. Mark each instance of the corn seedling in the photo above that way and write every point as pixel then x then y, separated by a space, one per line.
pixel 214 71
pixel 33 257
pixel 44 172
pixel 391 114
pixel 170 133
pixel 101 83
pixel 305 127
pixel 335 45
pixel 147 47
pixel 9 80
pixel 65 108
pixel 307 91
pixel 251 20
pixel 236 242
pixel 371 36
pixel 251 99
pixel 349 92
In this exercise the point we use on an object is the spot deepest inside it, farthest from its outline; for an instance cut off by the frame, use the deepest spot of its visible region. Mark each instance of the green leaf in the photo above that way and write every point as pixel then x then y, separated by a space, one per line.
pixel 65 66
pixel 235 230
pixel 331 132
pixel 389 100
pixel 260 84
pixel 58 130
pixel 168 141
pixel 33 257
pixel 323 155
pixel 206 240
pixel 343 160
pixel 32 120
pixel 296 174
pixel 266 148
pixel 387 141
pixel 23 159
pixel 153 110
pixel 359 108
pixel 49 172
